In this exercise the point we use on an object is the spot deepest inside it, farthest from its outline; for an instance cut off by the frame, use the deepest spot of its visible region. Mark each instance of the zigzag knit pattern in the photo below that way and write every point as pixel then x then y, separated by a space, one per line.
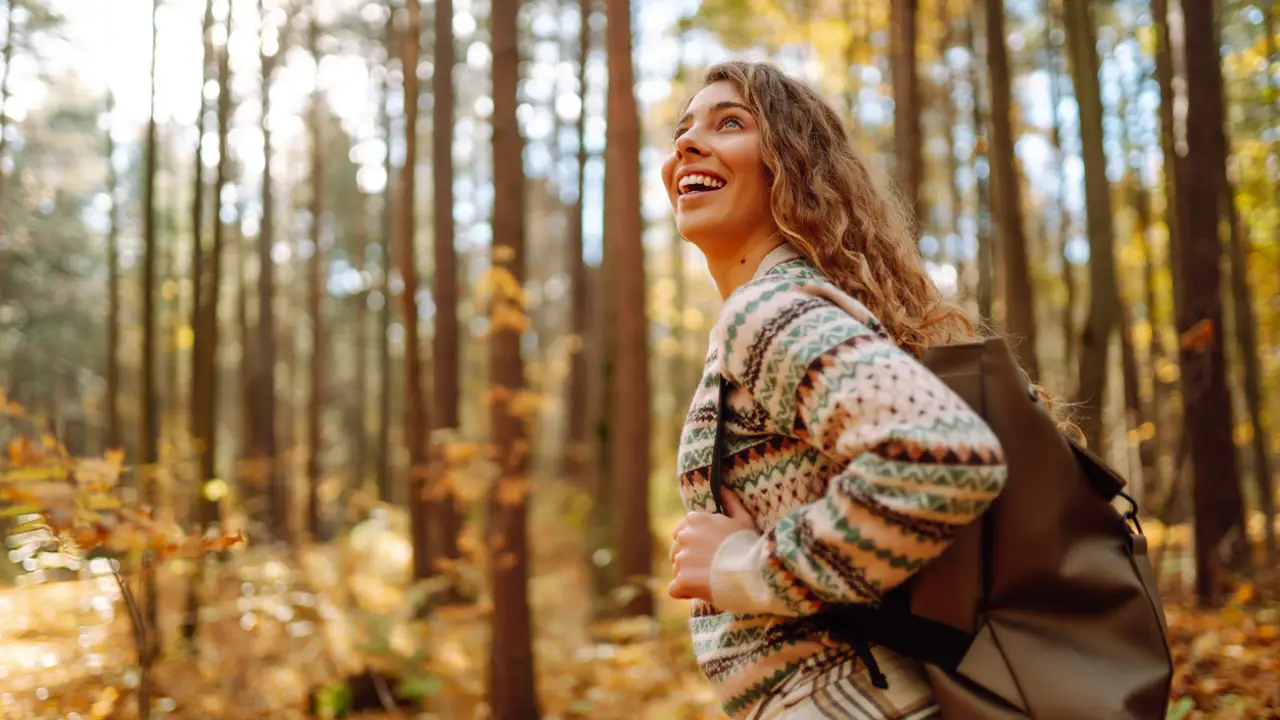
pixel 857 464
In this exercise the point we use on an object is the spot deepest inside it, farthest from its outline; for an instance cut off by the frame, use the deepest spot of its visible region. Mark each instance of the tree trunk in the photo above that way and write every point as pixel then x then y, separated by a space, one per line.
pixel 510 678
pixel 360 351
pixel 443 513
pixel 577 444
pixel 1220 542
pixel 1168 142
pixel 415 404
pixel 11 37
pixel 630 406
pixel 1063 218
pixel 112 370
pixel 1096 338
pixel 1247 337
pixel 148 435
pixel 906 107
pixel 267 462
pixel 1019 298
pixel 982 225
pixel 385 381
pixel 315 298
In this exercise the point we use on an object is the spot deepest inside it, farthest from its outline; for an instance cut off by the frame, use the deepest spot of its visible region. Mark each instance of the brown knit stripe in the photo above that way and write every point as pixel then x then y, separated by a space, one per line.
pixel 830 556
pixel 931 529
pixel 770 330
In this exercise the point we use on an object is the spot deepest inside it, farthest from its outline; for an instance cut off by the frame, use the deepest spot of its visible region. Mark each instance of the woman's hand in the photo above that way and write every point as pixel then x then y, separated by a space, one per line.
pixel 697 538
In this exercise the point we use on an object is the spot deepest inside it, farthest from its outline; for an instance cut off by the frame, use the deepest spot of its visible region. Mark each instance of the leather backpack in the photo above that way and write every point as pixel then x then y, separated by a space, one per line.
pixel 1046 607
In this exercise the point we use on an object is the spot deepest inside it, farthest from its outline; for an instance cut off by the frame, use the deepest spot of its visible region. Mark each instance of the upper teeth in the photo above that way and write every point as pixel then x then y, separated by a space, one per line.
pixel 706 180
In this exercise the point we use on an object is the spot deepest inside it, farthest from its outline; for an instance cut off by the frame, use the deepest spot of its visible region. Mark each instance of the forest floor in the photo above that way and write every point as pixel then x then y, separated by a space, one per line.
pixel 273 632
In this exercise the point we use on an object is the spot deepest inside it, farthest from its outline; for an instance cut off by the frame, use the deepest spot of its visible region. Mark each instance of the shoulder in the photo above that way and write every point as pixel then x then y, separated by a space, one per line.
pixel 790 315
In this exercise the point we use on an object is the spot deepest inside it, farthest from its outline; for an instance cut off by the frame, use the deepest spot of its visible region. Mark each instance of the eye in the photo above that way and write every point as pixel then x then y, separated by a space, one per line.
pixel 735 121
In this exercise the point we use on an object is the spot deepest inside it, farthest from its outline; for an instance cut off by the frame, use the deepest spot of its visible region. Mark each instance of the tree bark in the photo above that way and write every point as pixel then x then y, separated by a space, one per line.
pixel 1096 338
pixel 630 406
pixel 264 384
pixel 510 677
pixel 385 490
pixel 577 445
pixel 442 512
pixel 985 257
pixel 315 268
pixel 415 403
pixel 148 435
pixel 1220 542
pixel 1019 297
pixel 112 370
pixel 906 107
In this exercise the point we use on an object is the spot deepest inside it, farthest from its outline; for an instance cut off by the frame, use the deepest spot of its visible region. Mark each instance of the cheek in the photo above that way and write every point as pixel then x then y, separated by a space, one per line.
pixel 668 172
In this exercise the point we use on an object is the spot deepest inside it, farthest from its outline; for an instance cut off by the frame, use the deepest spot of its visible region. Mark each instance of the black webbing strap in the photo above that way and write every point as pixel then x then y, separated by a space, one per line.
pixel 889 625
pixel 718 449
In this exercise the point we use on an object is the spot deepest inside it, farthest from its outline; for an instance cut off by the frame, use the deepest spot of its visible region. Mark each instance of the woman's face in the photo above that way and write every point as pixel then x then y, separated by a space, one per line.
pixel 715 176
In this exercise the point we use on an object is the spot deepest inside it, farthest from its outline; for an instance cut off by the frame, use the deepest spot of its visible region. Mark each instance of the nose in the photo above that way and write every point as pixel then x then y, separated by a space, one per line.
pixel 690 143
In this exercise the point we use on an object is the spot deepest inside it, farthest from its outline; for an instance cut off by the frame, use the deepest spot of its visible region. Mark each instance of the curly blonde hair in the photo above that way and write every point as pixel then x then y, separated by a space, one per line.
pixel 829 207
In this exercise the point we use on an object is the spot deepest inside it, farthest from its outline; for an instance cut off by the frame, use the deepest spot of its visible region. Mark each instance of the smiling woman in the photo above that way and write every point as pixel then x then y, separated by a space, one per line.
pixel 811 393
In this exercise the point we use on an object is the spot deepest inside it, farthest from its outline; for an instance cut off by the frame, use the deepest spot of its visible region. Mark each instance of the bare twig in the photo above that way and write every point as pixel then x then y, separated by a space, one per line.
pixel 140 639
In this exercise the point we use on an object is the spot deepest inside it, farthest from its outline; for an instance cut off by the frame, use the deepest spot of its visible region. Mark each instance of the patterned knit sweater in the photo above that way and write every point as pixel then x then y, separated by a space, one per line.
pixel 857 464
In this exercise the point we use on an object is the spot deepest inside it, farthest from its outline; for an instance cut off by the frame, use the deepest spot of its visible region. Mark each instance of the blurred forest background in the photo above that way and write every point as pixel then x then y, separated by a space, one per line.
pixel 344 345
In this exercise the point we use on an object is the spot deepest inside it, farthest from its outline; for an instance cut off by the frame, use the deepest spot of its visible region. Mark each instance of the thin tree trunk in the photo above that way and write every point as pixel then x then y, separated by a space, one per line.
pixel 630 408
pixel 982 216
pixel 577 445
pixel 264 383
pixel 385 382
pixel 415 403
pixel 906 107
pixel 148 435
pixel 9 41
pixel 1168 141
pixel 1019 298
pixel 1247 337
pixel 442 511
pixel 1220 541
pixel 315 266
pixel 1063 218
pixel 112 371
pixel 359 309
pixel 510 677
pixel 1096 338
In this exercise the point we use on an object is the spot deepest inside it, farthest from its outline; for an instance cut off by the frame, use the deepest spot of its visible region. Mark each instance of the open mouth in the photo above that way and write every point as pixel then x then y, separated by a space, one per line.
pixel 696 183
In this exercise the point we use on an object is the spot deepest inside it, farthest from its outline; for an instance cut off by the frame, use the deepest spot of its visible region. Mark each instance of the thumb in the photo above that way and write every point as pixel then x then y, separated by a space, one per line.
pixel 733 506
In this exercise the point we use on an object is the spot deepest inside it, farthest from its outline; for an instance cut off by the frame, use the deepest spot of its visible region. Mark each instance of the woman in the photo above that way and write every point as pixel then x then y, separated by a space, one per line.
pixel 848 465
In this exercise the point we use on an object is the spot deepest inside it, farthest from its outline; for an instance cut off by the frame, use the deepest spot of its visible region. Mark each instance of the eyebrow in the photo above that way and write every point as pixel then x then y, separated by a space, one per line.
pixel 722 105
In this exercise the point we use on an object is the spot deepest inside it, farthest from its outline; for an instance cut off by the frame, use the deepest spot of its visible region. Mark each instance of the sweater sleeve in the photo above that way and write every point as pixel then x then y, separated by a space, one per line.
pixel 914 464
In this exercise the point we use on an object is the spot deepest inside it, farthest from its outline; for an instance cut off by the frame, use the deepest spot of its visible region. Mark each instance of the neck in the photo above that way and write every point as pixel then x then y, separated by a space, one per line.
pixel 732 268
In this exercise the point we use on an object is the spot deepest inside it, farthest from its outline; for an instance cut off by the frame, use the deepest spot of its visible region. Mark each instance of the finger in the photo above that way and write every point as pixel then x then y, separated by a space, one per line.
pixel 733 506
pixel 677 589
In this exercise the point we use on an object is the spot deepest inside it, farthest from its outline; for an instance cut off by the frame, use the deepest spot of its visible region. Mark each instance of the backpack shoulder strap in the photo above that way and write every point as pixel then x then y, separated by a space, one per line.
pixel 718 448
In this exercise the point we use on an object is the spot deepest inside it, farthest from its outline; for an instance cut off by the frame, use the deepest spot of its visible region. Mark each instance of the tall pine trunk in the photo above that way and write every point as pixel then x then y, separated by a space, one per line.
pixel 510 676
pixel 985 260
pixel 385 381
pixel 1220 542
pixel 631 402
pixel 149 432
pixel 1019 298
pixel 415 426
pixel 315 297
pixel 906 107
pixel 577 452
pixel 1096 339
pixel 265 449
pixel 443 513
pixel 112 370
